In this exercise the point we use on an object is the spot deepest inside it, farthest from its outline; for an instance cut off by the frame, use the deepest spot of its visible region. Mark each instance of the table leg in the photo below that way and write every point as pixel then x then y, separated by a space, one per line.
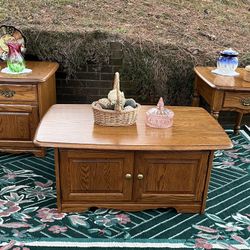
pixel 215 114
pixel 238 122
pixel 40 153
pixel 196 100
pixel 196 95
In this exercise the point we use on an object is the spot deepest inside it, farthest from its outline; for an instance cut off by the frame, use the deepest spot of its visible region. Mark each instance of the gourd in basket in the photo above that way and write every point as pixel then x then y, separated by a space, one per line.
pixel 115 110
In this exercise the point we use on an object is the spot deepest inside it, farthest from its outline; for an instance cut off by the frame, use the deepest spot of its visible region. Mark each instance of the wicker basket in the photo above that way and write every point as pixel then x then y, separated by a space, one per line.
pixel 118 116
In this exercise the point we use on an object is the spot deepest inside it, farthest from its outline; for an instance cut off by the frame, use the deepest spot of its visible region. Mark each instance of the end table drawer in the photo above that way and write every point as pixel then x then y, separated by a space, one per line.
pixel 9 92
pixel 239 100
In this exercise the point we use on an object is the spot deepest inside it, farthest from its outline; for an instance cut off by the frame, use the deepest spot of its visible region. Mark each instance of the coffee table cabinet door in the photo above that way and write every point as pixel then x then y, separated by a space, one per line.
pixel 87 175
pixel 170 177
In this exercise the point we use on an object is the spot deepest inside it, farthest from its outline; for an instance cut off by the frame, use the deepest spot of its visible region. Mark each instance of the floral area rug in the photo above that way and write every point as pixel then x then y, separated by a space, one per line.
pixel 29 218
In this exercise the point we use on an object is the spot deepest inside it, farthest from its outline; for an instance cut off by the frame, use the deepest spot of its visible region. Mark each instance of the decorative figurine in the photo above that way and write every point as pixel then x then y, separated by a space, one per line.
pixel 12 48
pixel 15 60
pixel 227 63
pixel 159 117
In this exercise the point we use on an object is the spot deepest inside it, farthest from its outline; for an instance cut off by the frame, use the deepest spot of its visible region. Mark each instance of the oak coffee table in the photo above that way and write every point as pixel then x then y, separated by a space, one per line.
pixel 135 167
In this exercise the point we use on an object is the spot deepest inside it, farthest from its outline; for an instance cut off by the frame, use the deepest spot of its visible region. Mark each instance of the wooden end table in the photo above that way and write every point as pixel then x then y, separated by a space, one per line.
pixel 24 99
pixel 135 167
pixel 222 92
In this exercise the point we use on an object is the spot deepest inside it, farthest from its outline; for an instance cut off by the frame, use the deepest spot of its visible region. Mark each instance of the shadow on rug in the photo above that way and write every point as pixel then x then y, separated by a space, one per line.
pixel 29 218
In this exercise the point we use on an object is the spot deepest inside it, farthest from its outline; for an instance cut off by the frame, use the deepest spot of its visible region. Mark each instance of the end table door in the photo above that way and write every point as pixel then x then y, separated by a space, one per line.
pixel 18 123
pixel 170 176
pixel 92 175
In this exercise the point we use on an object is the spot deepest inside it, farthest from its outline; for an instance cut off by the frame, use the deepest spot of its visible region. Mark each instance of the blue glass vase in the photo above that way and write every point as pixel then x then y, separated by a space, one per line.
pixel 228 61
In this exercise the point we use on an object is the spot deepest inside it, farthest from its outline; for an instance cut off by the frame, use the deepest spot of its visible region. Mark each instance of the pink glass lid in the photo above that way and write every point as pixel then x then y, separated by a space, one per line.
pixel 159 110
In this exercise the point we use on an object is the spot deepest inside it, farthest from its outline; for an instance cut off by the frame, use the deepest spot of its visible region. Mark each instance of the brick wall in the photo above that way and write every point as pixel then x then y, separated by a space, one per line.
pixel 93 81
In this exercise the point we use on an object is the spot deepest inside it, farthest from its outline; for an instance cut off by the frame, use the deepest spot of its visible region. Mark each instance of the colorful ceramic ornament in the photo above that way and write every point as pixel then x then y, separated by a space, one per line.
pixel 15 60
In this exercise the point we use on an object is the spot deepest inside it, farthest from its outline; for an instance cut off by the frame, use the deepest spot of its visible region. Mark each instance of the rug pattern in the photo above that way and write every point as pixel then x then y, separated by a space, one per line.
pixel 28 209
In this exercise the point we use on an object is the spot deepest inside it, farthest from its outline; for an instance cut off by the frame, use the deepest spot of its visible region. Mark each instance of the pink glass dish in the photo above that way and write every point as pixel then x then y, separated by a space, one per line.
pixel 159 117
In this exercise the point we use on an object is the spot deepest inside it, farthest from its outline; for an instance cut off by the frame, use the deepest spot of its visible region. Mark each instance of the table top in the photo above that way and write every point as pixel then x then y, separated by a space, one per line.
pixel 235 83
pixel 72 126
pixel 41 71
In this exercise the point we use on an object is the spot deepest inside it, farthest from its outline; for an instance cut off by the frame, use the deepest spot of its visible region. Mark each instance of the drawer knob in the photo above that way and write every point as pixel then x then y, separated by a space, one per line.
pixel 128 176
pixel 245 101
pixel 140 176
pixel 7 93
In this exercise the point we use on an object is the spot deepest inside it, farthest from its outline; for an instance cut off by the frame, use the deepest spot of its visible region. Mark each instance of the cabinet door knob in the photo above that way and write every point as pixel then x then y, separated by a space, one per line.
pixel 140 176
pixel 128 176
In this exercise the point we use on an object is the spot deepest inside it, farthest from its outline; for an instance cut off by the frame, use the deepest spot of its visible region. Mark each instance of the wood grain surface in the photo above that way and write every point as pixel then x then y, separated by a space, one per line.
pixel 236 100
pixel 223 82
pixel 132 180
pixel 96 175
pixel 41 71
pixel 72 126
pixel 27 93
pixel 170 176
